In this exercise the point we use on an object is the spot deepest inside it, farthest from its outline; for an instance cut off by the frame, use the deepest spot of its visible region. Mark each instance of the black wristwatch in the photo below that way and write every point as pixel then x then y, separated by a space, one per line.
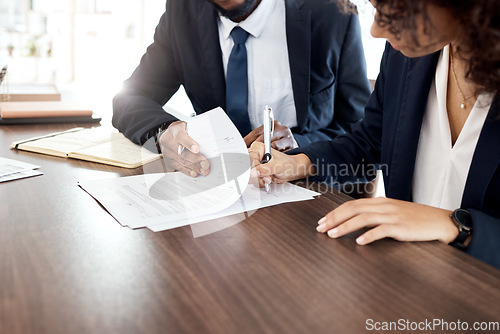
pixel 463 221
pixel 158 134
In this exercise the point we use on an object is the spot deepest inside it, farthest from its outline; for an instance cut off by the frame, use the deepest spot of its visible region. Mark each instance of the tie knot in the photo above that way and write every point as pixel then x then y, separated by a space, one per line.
pixel 239 35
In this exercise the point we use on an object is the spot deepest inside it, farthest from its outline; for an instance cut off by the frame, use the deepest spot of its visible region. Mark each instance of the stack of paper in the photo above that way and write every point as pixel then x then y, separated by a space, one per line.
pixel 252 199
pixel 163 201
pixel 13 170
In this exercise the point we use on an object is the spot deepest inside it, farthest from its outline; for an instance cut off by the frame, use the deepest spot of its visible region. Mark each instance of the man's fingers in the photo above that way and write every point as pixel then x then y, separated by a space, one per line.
pixel 186 161
pixel 182 138
pixel 192 169
pixel 181 152
pixel 176 139
pixel 260 138
pixel 253 135
pixel 283 144
pixel 187 142
pixel 195 162
pixel 187 171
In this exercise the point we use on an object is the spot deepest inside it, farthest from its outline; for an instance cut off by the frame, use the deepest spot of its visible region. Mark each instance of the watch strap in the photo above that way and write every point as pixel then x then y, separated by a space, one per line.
pixel 462 220
pixel 162 128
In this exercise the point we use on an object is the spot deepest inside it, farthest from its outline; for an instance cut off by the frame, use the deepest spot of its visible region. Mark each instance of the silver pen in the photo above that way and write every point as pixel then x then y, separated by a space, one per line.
pixel 268 132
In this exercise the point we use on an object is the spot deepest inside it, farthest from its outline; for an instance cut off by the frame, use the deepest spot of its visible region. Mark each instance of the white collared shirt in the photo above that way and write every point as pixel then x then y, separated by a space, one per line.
pixel 441 169
pixel 269 79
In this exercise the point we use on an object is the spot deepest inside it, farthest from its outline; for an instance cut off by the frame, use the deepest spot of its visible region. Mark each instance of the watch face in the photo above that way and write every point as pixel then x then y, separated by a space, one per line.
pixel 463 217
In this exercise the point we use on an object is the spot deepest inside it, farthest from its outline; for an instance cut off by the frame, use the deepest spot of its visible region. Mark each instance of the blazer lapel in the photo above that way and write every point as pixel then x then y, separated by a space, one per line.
pixel 485 160
pixel 419 76
pixel 298 32
pixel 211 58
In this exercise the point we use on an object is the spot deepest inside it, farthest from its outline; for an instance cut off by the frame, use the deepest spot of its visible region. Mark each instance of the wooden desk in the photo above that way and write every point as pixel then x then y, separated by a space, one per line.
pixel 67 267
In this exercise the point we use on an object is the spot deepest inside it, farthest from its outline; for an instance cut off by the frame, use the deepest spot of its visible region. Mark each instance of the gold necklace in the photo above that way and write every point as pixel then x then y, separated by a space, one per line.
pixel 462 106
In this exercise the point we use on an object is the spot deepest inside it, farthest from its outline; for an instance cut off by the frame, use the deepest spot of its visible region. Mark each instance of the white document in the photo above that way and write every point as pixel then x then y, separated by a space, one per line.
pixel 12 170
pixel 253 199
pixel 141 200
pixel 10 166
pixel 221 143
pixel 20 175
pixel 167 200
pixel 155 198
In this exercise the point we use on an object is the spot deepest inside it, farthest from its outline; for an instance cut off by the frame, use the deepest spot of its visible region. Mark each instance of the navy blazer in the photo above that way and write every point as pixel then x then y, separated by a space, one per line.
pixel 326 57
pixel 389 136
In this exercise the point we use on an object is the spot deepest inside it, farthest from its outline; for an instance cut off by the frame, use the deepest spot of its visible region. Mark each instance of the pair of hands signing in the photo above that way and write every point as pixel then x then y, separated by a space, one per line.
pixel 385 217
pixel 191 162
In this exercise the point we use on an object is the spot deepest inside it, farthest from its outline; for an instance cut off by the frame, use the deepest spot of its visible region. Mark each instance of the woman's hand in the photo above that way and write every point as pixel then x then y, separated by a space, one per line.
pixel 389 218
pixel 281 168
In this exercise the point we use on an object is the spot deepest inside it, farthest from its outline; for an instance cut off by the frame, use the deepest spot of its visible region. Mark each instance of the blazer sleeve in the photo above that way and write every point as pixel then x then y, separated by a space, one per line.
pixel 352 89
pixel 137 108
pixel 485 243
pixel 353 154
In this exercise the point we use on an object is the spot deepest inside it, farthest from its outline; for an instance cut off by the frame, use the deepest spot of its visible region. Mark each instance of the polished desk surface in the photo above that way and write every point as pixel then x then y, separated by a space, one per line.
pixel 66 266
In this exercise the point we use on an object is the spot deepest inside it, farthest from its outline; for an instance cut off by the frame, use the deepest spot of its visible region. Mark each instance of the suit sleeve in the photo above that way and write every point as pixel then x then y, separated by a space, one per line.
pixel 137 108
pixel 352 88
pixel 485 243
pixel 353 154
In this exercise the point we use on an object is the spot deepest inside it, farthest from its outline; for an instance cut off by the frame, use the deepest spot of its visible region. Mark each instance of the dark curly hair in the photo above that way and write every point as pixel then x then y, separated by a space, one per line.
pixel 480 45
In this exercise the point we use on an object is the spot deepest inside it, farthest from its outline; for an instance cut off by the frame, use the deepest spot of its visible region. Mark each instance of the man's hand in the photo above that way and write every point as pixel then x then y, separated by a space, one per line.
pixel 281 140
pixel 181 153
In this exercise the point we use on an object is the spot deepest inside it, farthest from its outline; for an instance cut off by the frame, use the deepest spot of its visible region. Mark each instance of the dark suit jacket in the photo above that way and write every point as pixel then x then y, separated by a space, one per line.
pixel 389 135
pixel 326 61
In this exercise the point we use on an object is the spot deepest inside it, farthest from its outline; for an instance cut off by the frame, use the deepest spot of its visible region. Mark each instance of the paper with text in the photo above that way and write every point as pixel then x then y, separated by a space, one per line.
pixel 168 200
pixel 20 175
pixel 253 199
pixel 140 200
pixel 12 169
pixel 10 166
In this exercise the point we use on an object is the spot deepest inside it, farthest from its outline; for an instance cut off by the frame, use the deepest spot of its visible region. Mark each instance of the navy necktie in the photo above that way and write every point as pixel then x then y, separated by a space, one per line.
pixel 237 82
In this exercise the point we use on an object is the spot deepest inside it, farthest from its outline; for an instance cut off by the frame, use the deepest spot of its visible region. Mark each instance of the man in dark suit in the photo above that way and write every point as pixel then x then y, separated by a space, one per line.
pixel 304 58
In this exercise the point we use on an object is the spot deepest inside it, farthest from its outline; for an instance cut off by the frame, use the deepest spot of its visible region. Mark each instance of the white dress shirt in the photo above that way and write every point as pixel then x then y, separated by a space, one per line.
pixel 441 168
pixel 269 79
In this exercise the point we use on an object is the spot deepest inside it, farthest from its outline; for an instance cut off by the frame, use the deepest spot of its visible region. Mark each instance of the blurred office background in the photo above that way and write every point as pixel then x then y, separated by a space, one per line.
pixel 88 47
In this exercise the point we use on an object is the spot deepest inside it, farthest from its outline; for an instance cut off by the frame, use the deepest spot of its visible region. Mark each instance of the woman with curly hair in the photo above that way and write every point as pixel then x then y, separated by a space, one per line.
pixel 432 125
